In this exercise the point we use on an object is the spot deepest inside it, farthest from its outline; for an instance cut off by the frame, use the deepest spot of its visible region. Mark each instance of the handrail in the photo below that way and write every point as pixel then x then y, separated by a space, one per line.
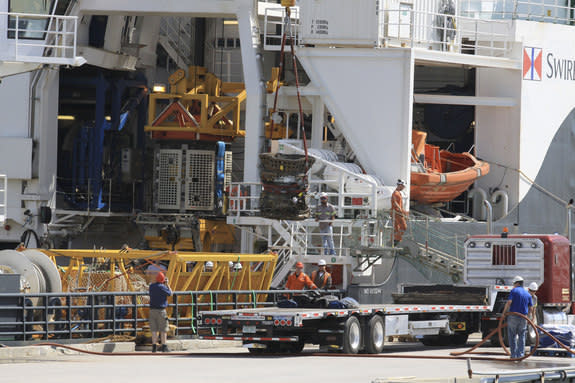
pixel 58 38
pixel 69 315
pixel 519 10
pixel 445 32
pixel 3 198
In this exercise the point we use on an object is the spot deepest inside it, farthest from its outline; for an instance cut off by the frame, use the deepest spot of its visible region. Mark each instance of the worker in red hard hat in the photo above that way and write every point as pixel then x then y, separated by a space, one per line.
pixel 159 293
pixel 298 279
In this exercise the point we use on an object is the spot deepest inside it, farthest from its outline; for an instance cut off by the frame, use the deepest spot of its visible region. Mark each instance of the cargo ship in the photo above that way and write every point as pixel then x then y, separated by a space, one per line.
pixel 141 123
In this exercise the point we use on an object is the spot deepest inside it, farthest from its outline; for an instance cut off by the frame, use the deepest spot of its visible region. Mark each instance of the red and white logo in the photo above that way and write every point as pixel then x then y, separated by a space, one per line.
pixel 532 58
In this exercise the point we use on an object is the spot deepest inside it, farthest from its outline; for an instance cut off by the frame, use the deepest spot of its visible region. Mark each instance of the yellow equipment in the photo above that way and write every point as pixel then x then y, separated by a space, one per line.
pixel 132 270
pixel 195 106
pixel 212 232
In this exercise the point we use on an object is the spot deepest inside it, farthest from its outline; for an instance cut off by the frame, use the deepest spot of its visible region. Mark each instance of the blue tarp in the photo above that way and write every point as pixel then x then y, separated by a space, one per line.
pixel 564 332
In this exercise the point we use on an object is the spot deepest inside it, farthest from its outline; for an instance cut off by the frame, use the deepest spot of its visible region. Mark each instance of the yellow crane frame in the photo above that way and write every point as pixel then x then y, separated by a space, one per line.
pixel 186 271
pixel 200 94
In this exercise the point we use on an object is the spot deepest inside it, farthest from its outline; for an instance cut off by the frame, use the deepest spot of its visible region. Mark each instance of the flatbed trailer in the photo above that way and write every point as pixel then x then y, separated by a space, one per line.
pixel 350 330
pixel 436 314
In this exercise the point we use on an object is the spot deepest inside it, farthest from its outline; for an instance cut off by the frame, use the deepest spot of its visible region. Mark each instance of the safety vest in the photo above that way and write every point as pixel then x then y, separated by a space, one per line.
pixel 323 283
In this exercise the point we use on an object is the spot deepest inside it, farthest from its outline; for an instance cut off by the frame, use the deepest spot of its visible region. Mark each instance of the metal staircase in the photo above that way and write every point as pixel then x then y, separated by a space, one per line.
pixel 177 39
pixel 433 247
pixel 289 245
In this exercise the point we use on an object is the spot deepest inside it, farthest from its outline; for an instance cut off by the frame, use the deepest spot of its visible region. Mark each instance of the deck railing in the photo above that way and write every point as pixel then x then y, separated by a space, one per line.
pixel 3 198
pixel 74 315
pixel 44 39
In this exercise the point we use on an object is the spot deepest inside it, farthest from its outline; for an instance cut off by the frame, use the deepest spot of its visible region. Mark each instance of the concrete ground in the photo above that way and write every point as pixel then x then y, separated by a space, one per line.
pixel 46 364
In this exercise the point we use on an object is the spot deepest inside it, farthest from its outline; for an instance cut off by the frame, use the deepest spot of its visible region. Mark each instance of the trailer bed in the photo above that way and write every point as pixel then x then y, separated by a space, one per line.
pixel 299 315
pixel 270 327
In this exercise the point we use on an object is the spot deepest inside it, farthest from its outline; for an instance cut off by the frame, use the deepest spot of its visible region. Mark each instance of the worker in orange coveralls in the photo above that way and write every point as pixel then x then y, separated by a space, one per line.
pixel 298 279
pixel 398 213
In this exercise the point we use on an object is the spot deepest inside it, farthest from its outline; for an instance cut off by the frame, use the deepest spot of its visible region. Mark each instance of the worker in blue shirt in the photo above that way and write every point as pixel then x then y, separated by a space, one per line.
pixel 159 293
pixel 519 301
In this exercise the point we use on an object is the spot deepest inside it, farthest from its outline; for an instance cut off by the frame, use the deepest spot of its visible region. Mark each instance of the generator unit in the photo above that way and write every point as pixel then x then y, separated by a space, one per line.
pixel 190 179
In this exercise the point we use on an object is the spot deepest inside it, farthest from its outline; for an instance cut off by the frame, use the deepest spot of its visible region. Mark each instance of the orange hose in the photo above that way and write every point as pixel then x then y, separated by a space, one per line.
pixel 501 340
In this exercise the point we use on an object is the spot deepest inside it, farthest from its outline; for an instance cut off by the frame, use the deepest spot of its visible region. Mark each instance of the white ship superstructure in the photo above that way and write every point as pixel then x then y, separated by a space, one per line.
pixel 85 165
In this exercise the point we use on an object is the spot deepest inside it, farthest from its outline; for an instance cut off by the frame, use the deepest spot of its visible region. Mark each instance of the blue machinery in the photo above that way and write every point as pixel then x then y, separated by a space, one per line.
pixel 85 169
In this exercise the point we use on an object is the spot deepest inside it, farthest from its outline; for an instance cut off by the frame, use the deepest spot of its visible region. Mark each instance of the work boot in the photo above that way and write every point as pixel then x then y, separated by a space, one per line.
pixel 164 348
pixel 154 347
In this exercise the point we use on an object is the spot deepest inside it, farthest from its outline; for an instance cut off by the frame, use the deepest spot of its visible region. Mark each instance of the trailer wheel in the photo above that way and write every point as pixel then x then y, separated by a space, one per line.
pixel 459 339
pixel 256 351
pixel 494 341
pixel 430 340
pixel 375 337
pixel 296 347
pixel 352 336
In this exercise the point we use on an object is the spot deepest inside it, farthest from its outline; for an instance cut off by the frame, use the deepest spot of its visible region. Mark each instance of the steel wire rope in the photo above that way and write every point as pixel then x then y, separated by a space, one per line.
pixel 531 181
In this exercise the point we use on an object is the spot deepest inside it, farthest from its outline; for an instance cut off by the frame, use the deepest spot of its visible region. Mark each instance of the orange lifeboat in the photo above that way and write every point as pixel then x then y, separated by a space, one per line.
pixel 439 175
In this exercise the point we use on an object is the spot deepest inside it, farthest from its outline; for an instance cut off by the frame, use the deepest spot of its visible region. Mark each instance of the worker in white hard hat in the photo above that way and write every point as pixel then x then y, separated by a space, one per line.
pixel 519 301
pixel 399 214
pixel 238 267
pixel 320 277
pixel 325 214
pixel 209 267
pixel 533 287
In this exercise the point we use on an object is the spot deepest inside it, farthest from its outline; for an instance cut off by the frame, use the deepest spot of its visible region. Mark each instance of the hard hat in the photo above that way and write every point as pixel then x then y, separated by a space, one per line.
pixel 533 286
pixel 160 277
pixel 230 264
pixel 323 195
pixel 517 279
pixel 321 262
pixel 400 182
pixel 299 264
pixel 209 264
pixel 238 266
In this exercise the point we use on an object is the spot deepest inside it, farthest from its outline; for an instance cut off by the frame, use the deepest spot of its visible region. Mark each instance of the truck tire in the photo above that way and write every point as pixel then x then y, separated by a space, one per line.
pixel 459 339
pixel 431 340
pixel 351 336
pixel 375 335
pixel 256 351
pixel 295 347
pixel 494 341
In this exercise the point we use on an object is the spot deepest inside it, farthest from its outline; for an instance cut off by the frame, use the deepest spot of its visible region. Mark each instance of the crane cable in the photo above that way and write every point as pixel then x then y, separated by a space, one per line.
pixel 288 31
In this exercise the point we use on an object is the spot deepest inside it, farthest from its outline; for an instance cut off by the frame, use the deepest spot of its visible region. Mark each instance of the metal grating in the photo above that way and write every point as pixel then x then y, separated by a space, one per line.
pixel 200 180
pixel 491 260
pixel 169 167
pixel 227 170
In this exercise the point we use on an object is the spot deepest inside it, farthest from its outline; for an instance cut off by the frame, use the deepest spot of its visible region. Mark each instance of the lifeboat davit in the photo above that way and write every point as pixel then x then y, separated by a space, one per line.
pixel 439 175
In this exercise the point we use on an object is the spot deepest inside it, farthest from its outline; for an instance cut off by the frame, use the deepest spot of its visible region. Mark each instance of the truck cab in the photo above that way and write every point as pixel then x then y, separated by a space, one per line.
pixel 493 260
